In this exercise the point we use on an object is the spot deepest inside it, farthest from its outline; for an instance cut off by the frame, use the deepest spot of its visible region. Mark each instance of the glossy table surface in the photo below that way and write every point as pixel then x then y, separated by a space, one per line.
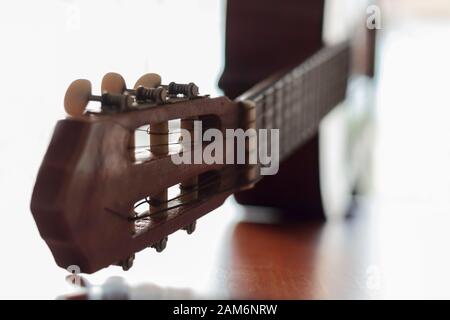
pixel 394 245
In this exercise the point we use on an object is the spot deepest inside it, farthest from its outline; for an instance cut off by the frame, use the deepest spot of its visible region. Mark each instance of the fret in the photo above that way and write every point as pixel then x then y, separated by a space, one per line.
pixel 303 105
pixel 260 105
pixel 296 101
pixel 308 103
pixel 288 111
pixel 330 85
pixel 294 89
pixel 269 115
pixel 279 104
pixel 318 97
pixel 313 101
pixel 297 104
pixel 294 108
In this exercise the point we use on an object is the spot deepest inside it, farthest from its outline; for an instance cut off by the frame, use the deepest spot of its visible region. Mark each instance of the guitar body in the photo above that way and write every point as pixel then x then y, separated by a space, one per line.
pixel 263 37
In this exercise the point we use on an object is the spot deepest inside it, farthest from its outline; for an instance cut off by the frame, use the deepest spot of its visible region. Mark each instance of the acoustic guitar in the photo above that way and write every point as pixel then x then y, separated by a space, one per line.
pixel 101 195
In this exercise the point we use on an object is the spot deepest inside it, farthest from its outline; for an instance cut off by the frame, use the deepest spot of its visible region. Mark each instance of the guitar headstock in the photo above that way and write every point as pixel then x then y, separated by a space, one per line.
pixel 104 193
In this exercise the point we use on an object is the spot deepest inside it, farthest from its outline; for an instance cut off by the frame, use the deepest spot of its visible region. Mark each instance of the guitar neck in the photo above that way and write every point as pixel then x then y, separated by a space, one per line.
pixel 295 101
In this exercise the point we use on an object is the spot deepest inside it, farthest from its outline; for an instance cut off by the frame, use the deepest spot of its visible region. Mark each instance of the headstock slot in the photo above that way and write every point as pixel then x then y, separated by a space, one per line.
pixel 140 147
pixel 180 199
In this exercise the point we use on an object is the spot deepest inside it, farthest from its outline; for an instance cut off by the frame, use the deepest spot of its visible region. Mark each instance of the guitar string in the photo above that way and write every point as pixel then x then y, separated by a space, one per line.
pixel 148 215
pixel 172 143
pixel 175 143
pixel 191 190
pixel 203 186
pixel 188 192
pixel 157 133
pixel 177 132
pixel 206 182
pixel 167 209
pixel 145 215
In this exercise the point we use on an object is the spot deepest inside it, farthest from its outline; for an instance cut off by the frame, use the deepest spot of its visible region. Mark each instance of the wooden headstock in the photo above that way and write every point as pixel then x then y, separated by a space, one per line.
pixel 90 180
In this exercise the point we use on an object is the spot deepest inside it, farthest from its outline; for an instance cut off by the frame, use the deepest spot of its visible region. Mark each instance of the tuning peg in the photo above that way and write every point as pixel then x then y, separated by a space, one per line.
pixel 190 228
pixel 77 97
pixel 79 94
pixel 161 244
pixel 148 87
pixel 127 263
pixel 114 83
pixel 156 94
pixel 189 90
pixel 148 80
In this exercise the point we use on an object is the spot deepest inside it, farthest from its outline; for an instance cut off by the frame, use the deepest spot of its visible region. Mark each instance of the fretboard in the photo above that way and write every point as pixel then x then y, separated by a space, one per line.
pixel 296 101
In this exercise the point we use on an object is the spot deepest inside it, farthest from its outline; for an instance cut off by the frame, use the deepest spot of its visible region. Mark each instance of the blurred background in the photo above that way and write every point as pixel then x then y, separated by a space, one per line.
pixel 394 245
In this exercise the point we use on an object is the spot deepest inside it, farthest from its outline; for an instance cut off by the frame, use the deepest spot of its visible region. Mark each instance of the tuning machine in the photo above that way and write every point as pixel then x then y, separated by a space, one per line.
pixel 160 245
pixel 79 93
pixel 148 87
pixel 126 263
pixel 153 80
pixel 190 228
pixel 116 97
pixel 189 90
